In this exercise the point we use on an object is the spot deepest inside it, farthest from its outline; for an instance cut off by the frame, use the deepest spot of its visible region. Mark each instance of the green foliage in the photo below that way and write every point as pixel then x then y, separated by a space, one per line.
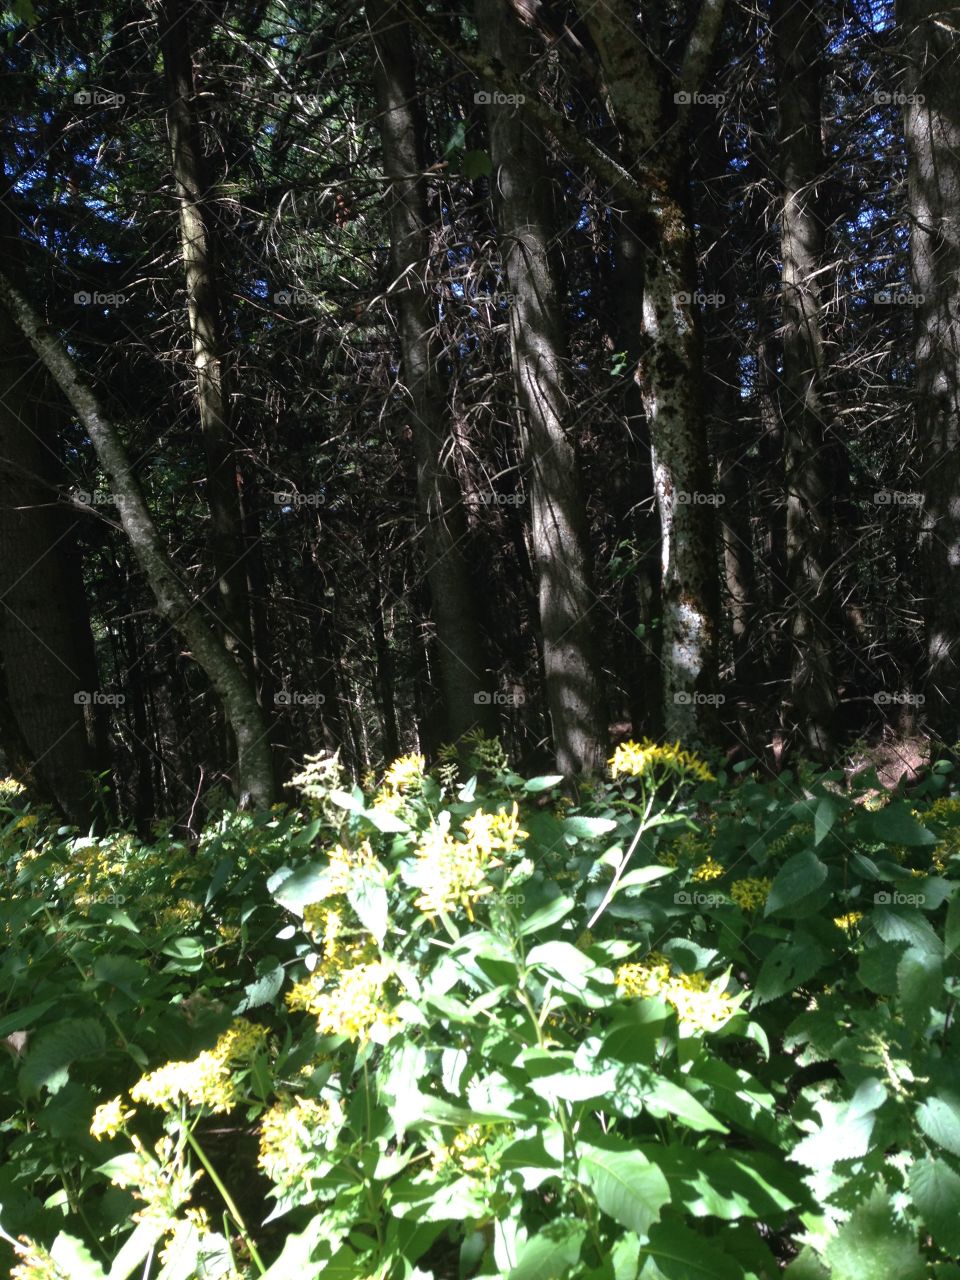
pixel 688 1027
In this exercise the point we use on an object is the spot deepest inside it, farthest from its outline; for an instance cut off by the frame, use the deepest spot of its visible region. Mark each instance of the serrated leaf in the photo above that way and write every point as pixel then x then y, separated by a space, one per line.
pixel 939 1118
pixel 787 966
pixel 895 824
pixel 799 877
pixel 682 1254
pixel 935 1189
pixel 55 1049
pixel 870 1246
pixel 550 1253
pixel 627 1186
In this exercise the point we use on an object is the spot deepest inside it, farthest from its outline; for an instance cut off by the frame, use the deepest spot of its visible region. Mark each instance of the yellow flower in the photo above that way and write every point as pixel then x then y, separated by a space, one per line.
pixel 638 759
pixel 848 921
pixel 750 893
pixel 405 772
pixel 345 864
pixel 36 1264
pixel 451 874
pixel 495 832
pixel 290 1132
pixel 28 820
pixel 645 978
pixel 696 1000
pixel 465 1152
pixel 708 870
pixel 207 1081
pixel 109 1117
pixel 353 1008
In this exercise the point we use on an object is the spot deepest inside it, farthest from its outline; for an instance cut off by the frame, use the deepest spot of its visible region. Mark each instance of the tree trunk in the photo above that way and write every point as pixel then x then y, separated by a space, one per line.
pixel 254 776
pixel 49 669
pixel 669 372
pixel 464 681
pixel 567 598
pixel 197 239
pixel 797 44
pixel 932 133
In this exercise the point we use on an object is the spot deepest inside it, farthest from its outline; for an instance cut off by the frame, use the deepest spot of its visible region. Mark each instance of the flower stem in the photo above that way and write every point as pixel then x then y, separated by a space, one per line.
pixel 227 1200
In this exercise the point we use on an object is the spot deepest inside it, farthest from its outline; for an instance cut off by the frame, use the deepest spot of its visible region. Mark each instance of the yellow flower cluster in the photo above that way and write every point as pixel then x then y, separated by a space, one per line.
pixel 404 773
pixel 207 1081
pixel 848 921
pixel 452 873
pixel 290 1132
pixel 109 1117
pixel 353 1008
pixel 696 1000
pixel 182 912
pixel 35 1262
pixel 750 893
pixel 346 864
pixel 639 759
pixel 710 869
pixel 946 809
pixel 465 1152
pixel 790 840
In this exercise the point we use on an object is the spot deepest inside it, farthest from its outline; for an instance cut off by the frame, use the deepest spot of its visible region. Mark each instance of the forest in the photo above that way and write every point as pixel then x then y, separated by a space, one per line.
pixel 480 639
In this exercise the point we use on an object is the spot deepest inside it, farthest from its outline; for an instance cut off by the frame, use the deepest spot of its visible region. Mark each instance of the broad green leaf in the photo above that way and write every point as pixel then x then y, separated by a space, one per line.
pixel 543 783
pixel 56 1048
pixel 939 1118
pixel 587 828
pixel 627 1186
pixel 787 966
pixel 664 1098
pixel 871 1246
pixel 74 1258
pixel 296 890
pixel 643 875
pixel 551 1252
pixel 935 1189
pixel 547 915
pixel 799 877
pixel 846 1128
pixel 919 983
pixel 682 1254
pixel 828 810
pixel 368 897
pixel 895 824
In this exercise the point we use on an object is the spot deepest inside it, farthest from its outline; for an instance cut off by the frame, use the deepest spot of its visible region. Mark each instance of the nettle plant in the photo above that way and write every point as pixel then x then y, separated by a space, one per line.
pixel 459 1024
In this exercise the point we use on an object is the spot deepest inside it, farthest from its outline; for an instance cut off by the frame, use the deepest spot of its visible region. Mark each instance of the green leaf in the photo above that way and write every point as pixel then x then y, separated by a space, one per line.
pixel 870 1246
pixel 919 983
pixel 551 1252
pixel 878 967
pixel 828 810
pixel 546 916
pixel 895 824
pixel 542 783
pixel 563 960
pixel 935 1189
pixel 682 1254
pixel 939 1118
pixel 135 1248
pixel 951 935
pixel 74 1258
pixel 627 1186
pixel 21 1019
pixel 787 966
pixel 296 890
pixel 587 828
pixel 664 1098
pixel 643 875
pixel 368 897
pixel 55 1049
pixel 846 1128
pixel 265 987
pixel 799 877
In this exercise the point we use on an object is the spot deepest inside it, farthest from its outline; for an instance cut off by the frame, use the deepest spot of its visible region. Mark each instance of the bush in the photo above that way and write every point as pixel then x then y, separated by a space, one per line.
pixel 685 1027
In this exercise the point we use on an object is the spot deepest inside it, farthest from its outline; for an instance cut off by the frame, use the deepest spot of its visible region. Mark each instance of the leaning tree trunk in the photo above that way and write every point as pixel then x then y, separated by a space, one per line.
pixel 48 669
pixel 932 131
pixel 460 653
pixel 797 44
pixel 567 599
pixel 227 540
pixel 669 373
pixel 254 776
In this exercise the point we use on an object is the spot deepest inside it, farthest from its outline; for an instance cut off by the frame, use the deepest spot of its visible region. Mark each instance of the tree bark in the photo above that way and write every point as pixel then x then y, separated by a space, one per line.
pixel 200 263
pixel 669 372
pixel 465 686
pixel 254 775
pixel 558 520
pixel 931 86
pixel 798 49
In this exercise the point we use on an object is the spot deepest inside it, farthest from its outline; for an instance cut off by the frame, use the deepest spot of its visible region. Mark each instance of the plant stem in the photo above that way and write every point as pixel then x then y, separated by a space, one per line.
pixel 227 1200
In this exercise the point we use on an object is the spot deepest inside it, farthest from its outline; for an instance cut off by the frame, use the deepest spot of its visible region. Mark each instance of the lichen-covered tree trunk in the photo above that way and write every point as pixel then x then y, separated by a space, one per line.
pixel 652 130
pixel 932 129
pixel 254 781
pixel 49 672
pixel 200 263
pixel 797 44
pixel 461 662
pixel 568 602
